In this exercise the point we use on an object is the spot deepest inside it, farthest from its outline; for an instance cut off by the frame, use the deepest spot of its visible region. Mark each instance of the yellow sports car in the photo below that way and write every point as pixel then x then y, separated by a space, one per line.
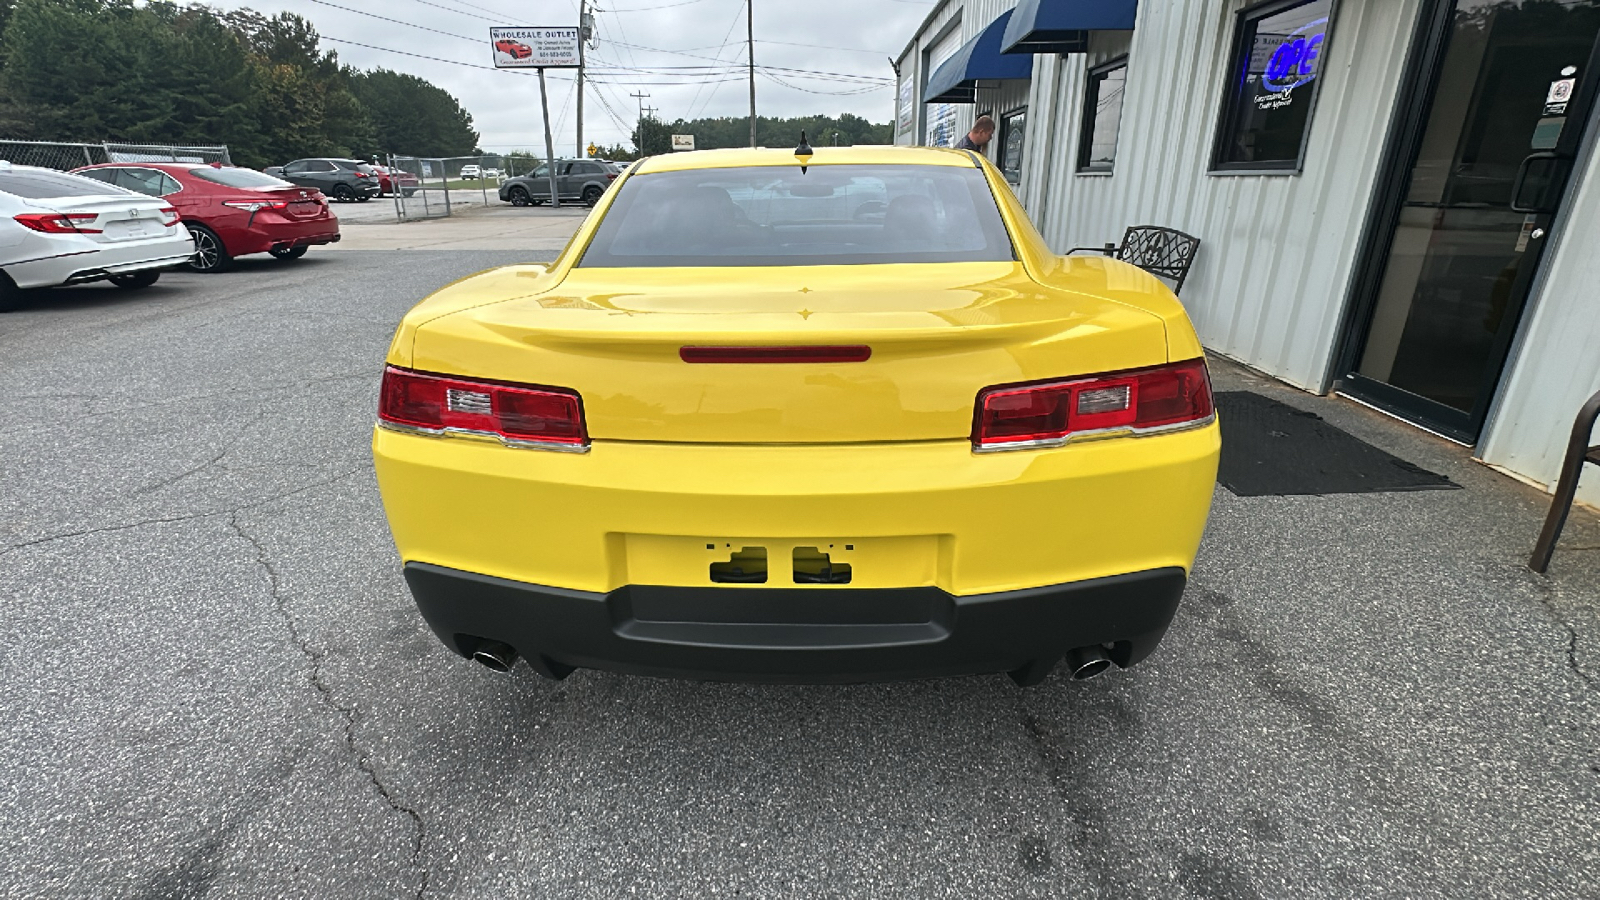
pixel 810 417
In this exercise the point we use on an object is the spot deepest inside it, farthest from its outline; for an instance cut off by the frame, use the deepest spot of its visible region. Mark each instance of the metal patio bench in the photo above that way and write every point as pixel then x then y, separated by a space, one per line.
pixel 1578 453
pixel 1165 252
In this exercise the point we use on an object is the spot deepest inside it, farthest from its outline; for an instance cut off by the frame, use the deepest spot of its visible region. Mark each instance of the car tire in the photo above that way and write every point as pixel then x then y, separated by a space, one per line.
pixel 288 253
pixel 10 294
pixel 519 196
pixel 209 254
pixel 133 281
pixel 591 195
pixel 411 193
pixel 343 193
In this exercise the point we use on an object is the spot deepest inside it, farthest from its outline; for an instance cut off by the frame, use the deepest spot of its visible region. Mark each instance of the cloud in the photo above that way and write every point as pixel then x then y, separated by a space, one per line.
pixel 851 37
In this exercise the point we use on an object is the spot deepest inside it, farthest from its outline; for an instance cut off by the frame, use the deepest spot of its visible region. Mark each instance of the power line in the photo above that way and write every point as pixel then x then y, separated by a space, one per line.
pixel 361 12
pixel 649 8
pixel 821 47
pixel 459 12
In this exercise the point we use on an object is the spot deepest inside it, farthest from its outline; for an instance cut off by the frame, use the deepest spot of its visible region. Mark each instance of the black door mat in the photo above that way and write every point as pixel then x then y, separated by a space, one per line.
pixel 1272 449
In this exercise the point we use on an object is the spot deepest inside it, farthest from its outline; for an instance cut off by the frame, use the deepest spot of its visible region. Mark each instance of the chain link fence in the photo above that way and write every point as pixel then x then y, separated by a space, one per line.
pixel 64 156
pixel 432 187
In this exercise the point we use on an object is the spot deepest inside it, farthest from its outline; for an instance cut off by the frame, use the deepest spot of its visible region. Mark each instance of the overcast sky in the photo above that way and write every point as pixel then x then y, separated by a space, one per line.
pixel 851 37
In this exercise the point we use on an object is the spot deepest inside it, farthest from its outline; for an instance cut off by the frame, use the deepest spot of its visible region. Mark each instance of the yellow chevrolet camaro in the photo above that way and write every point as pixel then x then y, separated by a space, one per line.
pixel 830 416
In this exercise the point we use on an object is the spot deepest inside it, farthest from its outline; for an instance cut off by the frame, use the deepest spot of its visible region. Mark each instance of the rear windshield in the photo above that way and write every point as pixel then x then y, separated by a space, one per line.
pixel 238 178
pixel 34 184
pixel 780 216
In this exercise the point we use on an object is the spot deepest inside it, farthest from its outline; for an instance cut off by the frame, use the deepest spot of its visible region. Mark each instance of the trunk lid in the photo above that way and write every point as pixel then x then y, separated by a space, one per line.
pixel 118 217
pixel 304 203
pixel 938 334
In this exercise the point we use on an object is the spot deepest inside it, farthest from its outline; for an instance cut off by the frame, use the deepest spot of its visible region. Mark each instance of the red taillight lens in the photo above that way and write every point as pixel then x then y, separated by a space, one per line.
pixel 611 176
pixel 171 215
pixel 1046 414
pixel 513 412
pixel 256 205
pixel 361 175
pixel 58 223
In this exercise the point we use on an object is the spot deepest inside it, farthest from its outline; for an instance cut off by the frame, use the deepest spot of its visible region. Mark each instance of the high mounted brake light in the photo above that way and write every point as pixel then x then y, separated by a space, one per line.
pixel 814 353
pixel 1140 401
pixel 519 415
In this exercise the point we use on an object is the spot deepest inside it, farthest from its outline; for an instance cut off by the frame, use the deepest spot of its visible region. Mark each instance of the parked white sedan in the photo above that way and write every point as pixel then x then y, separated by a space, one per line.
pixel 58 229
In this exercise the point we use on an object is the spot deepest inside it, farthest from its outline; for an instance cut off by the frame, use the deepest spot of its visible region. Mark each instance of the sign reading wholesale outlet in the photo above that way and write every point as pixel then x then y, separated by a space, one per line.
pixel 535 48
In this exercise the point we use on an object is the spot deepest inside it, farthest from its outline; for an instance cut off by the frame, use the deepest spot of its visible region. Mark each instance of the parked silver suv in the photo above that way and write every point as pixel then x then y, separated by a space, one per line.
pixel 576 180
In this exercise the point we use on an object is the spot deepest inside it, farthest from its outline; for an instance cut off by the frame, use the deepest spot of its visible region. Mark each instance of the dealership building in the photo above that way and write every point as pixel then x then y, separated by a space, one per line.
pixel 1397 200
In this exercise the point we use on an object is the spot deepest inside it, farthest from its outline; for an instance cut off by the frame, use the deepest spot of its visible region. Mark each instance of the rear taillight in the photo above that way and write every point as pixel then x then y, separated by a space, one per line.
pixel 170 215
pixel 58 223
pixel 361 175
pixel 1141 401
pixel 611 176
pixel 256 205
pixel 519 415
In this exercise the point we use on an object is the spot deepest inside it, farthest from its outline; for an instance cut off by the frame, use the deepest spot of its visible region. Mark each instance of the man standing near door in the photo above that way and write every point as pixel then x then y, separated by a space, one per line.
pixel 978 138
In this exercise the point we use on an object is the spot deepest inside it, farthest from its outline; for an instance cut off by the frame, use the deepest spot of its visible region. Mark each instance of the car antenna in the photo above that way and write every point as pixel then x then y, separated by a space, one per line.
pixel 803 153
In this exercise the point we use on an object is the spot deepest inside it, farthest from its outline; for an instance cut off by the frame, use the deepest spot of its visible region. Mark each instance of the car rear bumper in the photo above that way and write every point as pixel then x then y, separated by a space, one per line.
pixel 802 635
pixel 263 236
pixel 79 266
pixel 926 519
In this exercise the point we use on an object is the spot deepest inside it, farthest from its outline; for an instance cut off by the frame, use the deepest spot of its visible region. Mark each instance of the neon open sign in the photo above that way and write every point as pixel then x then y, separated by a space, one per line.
pixel 1295 62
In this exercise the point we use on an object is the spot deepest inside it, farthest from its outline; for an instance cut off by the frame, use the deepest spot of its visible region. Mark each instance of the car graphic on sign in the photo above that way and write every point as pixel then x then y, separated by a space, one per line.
pixel 514 49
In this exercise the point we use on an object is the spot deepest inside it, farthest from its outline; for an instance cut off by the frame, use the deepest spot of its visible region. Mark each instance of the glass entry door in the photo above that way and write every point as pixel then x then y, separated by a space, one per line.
pixel 1508 89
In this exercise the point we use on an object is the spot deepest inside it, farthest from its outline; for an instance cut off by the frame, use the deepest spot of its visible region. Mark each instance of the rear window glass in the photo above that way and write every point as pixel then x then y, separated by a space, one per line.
pixel 34 184
pixel 238 178
pixel 779 216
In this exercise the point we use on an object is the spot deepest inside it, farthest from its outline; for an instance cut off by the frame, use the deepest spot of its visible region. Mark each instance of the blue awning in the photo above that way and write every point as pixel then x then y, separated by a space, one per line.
pixel 956 79
pixel 1063 26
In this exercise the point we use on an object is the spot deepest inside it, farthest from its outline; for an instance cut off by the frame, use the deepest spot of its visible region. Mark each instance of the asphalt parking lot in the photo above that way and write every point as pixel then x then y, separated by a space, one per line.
pixel 217 685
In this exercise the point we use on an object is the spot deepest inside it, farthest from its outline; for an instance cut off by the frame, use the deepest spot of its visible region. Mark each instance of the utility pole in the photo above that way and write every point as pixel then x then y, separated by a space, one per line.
pixel 584 30
pixel 638 125
pixel 750 52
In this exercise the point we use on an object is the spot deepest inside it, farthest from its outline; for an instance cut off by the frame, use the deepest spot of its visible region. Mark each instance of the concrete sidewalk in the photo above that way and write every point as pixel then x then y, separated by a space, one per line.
pixel 1471 541
pixel 539 231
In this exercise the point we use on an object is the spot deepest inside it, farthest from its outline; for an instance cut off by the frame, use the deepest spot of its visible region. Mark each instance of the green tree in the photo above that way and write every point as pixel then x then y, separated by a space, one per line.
pixel 159 72
pixel 652 136
pixel 412 116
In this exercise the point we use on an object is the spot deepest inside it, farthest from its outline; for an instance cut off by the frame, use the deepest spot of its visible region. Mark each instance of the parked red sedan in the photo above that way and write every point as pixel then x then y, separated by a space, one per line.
pixel 230 211
pixel 392 181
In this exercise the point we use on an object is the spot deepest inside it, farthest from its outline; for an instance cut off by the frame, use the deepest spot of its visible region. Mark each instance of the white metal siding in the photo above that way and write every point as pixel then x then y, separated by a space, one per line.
pixel 975 16
pixel 1270 281
pixel 1558 366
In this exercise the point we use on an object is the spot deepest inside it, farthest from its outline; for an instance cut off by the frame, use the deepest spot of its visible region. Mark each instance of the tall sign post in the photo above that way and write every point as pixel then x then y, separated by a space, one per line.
pixel 541 48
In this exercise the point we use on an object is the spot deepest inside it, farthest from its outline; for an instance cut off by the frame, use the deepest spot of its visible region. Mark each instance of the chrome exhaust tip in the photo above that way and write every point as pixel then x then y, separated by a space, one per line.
pixel 495 655
pixel 1086 662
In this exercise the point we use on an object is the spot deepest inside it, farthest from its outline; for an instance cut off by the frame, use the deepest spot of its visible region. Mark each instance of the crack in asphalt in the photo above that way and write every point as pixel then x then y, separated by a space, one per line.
pixel 187 517
pixel 102 530
pixel 1546 595
pixel 347 714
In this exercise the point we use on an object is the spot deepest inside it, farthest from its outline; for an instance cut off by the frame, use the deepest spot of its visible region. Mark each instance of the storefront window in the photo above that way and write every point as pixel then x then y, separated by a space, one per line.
pixel 1102 116
pixel 1277 55
pixel 1013 137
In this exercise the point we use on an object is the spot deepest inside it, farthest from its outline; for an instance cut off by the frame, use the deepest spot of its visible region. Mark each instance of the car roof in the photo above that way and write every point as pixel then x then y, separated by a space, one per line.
pixel 874 154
